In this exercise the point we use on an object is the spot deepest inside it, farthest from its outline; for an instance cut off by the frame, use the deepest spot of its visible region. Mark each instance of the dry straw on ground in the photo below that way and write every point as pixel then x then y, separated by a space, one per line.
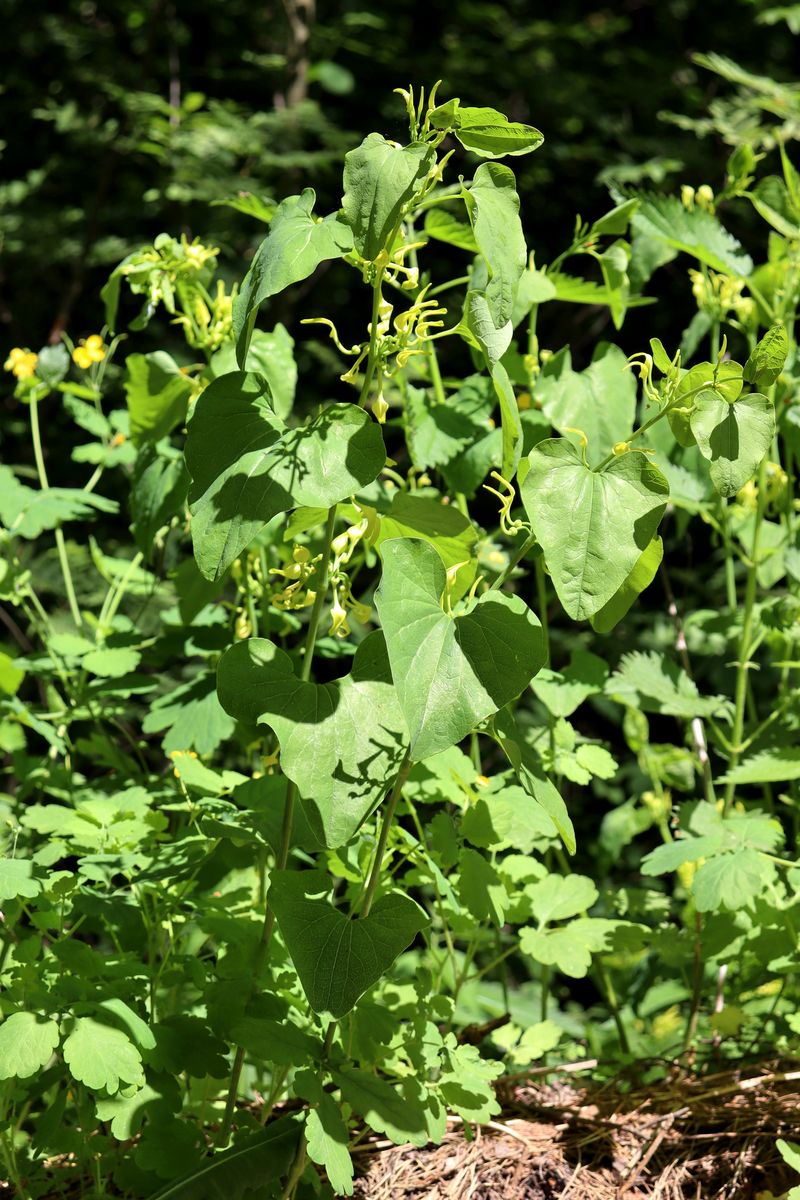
pixel 685 1138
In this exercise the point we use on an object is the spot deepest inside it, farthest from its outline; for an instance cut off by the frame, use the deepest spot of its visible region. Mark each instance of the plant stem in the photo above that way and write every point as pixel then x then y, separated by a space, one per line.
pixel 742 665
pixel 61 545
pixel 286 830
pixel 373 338
pixel 383 837
pixel 541 594
pixel 517 557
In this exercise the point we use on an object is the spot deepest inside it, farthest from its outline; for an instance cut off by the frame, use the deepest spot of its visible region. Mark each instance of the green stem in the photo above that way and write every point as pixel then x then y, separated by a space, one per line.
pixel 59 533
pixel 286 831
pixel 541 594
pixel 373 338
pixel 383 837
pixel 745 644
pixel 613 1004
pixel 517 557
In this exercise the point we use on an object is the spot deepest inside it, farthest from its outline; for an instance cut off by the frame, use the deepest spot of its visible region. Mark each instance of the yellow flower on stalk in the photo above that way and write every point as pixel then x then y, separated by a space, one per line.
pixel 91 350
pixel 21 363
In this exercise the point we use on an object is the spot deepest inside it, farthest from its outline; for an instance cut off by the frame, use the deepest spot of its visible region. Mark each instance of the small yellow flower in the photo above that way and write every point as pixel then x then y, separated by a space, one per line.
pixel 21 363
pixel 91 350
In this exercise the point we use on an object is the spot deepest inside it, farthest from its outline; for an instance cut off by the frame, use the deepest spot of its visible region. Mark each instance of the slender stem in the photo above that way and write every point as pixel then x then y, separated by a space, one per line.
pixel 383 837
pixel 373 338
pixel 613 1004
pixel 517 557
pixel 697 985
pixel 745 644
pixel 61 545
pixel 541 593
pixel 286 830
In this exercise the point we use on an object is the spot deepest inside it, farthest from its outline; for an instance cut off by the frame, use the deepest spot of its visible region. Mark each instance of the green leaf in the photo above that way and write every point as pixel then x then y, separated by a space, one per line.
pixel 111 662
pixel 296 244
pixel 27 512
pixel 771 198
pixel 569 948
pixel 600 401
pixel 481 889
pixel 562 692
pixel 769 766
pixel 731 881
pixel 380 179
pixel 158 490
pixel 592 525
pixel 385 1109
pixel 338 958
pixel 157 393
pixel 511 421
pixel 531 775
pixel 249 1166
pixel 271 355
pixel 192 716
pixel 789 1152
pixel 485 131
pixel 450 673
pixel 247 465
pixel 642 575
pixel 767 358
pixel 493 207
pixel 279 1042
pixel 733 437
pixel 27 1042
pixel 694 232
pixel 327 1140
pixel 653 683
pixel 17 879
pixel 466 1084
pixel 443 525
pixel 101 1057
pixel 341 742
pixel 11 676
pixel 478 329
pixel 560 896
pixel 571 289
pixel 442 225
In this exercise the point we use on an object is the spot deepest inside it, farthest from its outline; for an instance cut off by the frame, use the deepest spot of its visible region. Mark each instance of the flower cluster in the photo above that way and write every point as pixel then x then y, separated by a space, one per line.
pixel 21 362
pixel 294 592
pixel 719 295
pixel 343 545
pixel 90 350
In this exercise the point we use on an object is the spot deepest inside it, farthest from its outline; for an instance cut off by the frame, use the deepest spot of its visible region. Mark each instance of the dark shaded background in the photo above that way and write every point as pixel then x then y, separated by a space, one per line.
pixel 127 117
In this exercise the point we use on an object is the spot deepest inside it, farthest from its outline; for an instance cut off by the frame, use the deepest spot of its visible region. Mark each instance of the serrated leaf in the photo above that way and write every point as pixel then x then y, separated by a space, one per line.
pixel 247 465
pixel 466 1083
pixel 27 513
pixel 450 672
pixel 296 244
pixel 695 232
pixel 17 879
pixel 341 742
pixel 111 662
pixel 569 948
pixel 532 777
pixel 480 887
pixel 385 1109
pixel 558 897
pixel 27 1042
pixel 327 1140
pixel 562 692
pixel 592 525
pixel 653 683
pixel 731 881
pixel 768 766
pixel 101 1057
pixel 338 958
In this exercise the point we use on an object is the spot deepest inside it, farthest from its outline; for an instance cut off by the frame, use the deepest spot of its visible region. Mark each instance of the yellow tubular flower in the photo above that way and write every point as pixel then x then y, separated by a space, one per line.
pixel 21 363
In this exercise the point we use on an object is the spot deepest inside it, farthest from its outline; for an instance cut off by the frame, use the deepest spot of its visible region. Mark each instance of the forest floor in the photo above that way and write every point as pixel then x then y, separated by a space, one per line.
pixel 686 1138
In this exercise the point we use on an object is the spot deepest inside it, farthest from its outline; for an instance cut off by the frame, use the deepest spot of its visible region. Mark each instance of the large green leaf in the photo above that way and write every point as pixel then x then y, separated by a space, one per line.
pixel 592 525
pixel 485 131
pixel 294 247
pixel 493 207
pixel 247 465
pixel 341 742
pixel 27 1042
pixel 380 178
pixel 642 575
pixel 695 232
pixel 271 354
pixel 248 1167
pixel 443 525
pixel 450 673
pixel 157 393
pixel 338 958
pixel 599 401
pixel 734 437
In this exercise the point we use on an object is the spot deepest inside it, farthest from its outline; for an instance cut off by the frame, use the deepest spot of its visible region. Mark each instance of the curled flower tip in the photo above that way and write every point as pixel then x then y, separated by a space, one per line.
pixel 21 362
pixel 380 408
pixel 621 447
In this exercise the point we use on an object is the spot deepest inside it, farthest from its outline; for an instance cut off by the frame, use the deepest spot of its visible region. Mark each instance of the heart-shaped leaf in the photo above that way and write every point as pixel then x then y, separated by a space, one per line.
pixel 450 673
pixel 337 957
pixel 247 465
pixel 733 437
pixel 380 177
pixel 592 525
pixel 341 742
pixel 295 246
